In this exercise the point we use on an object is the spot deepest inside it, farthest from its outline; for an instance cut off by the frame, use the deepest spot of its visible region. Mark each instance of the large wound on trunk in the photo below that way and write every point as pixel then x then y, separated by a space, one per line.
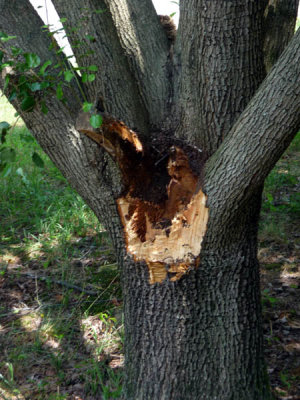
pixel 163 209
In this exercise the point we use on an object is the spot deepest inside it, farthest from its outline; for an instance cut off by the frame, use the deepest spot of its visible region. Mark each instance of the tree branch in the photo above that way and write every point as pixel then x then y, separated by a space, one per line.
pixel 258 139
pixel 15 17
pixel 221 68
pixel 145 45
pixel 20 19
pixel 85 166
pixel 94 40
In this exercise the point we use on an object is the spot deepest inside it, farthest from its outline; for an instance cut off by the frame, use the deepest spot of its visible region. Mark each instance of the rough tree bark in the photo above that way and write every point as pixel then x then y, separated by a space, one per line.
pixel 178 182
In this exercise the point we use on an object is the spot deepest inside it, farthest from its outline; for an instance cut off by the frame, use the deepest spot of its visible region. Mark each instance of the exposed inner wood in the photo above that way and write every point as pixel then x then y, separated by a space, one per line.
pixel 166 232
pixel 173 248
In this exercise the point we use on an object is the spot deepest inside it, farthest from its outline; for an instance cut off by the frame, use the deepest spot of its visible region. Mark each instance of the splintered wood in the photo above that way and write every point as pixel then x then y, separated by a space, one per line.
pixel 172 249
pixel 166 234
pixel 169 241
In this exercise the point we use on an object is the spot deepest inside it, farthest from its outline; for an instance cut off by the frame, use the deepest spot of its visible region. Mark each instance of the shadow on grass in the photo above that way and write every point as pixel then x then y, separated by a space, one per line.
pixel 58 341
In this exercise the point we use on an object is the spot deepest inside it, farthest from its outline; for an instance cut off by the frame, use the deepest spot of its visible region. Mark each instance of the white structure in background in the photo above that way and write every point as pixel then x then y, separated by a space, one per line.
pixel 48 14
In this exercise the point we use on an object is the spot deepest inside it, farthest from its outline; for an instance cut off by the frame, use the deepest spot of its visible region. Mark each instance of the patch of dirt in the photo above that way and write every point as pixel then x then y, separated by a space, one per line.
pixel 280 280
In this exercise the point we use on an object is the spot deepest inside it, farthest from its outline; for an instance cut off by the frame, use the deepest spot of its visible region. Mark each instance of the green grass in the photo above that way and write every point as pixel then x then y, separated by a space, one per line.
pixel 47 229
pixel 39 201
pixel 281 198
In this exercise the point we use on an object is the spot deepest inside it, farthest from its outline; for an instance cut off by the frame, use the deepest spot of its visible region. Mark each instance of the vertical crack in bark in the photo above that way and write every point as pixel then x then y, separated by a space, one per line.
pixel 162 207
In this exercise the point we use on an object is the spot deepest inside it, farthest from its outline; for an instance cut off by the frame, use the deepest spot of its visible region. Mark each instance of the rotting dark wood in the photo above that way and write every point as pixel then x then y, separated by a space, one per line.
pixel 164 230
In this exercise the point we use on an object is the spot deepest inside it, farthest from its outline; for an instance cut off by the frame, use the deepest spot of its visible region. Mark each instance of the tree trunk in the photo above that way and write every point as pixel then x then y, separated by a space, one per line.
pixel 180 195
pixel 199 337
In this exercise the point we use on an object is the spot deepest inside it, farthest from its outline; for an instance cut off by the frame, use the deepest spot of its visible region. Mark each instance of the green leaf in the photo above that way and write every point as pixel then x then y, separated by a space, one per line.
pixel 91 38
pixel 6 82
pixel 172 15
pixel 20 172
pixel 52 33
pixel 44 108
pixel 91 77
pixel 96 121
pixel 60 50
pixel 34 87
pixel 93 68
pixel 272 300
pixel 1 56
pixel 4 127
pixel 84 77
pixel 7 155
pixel 22 82
pixel 62 20
pixel 21 67
pixel 7 64
pixel 59 92
pixel 6 171
pixel 37 160
pixel 6 38
pixel 32 60
pixel 28 103
pixel 68 76
pixel 45 85
pixel 3 136
pixel 87 106
pixel 12 95
pixel 44 67
pixel 16 51
pixel 99 11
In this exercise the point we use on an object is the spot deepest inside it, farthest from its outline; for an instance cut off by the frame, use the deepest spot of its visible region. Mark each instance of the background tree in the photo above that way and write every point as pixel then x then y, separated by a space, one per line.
pixel 279 28
pixel 178 183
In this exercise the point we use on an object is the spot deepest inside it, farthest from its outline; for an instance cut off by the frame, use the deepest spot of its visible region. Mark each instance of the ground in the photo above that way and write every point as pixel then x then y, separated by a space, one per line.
pixel 279 256
pixel 61 332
